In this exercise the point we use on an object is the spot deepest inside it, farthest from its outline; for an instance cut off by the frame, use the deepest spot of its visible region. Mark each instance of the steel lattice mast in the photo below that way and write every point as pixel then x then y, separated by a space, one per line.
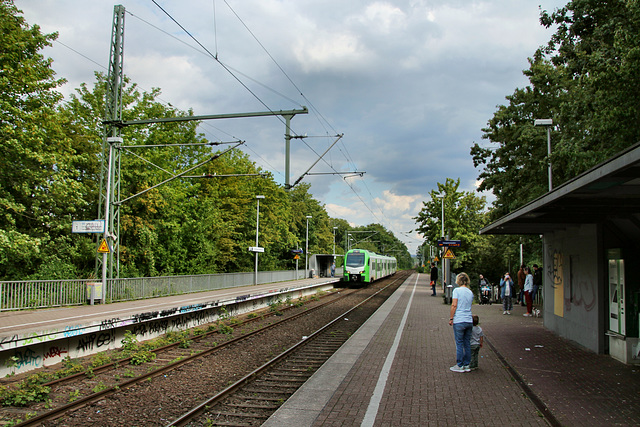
pixel 110 163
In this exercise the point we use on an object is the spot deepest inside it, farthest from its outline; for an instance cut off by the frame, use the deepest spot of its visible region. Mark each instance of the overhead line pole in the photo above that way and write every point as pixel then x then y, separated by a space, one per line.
pixel 110 161
pixel 109 193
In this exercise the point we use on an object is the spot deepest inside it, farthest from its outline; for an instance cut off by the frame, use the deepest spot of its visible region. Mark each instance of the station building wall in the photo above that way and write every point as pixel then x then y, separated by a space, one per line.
pixel 573 286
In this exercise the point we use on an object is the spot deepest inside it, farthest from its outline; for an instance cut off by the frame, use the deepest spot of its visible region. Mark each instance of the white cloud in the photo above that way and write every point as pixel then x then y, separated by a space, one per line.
pixel 383 17
pixel 409 83
pixel 329 51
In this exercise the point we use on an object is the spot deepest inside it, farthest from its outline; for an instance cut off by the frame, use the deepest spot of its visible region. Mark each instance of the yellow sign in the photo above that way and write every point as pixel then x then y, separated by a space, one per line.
pixel 103 248
pixel 296 257
pixel 436 259
pixel 449 254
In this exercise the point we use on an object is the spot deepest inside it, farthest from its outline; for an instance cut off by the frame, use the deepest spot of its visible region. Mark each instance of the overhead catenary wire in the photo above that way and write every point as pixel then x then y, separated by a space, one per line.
pixel 341 147
pixel 229 69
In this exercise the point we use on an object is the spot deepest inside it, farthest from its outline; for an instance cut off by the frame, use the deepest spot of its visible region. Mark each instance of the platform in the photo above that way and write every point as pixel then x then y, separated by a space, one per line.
pixel 44 337
pixel 395 371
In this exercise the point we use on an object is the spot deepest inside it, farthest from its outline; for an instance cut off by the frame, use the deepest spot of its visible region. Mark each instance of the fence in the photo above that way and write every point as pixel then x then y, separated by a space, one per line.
pixel 20 295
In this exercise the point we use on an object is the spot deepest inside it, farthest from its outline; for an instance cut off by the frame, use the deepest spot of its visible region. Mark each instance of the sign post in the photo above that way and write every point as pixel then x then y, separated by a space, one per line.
pixel 447 256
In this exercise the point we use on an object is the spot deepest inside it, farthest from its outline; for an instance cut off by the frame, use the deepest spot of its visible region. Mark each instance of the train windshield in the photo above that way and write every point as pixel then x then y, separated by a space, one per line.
pixel 355 260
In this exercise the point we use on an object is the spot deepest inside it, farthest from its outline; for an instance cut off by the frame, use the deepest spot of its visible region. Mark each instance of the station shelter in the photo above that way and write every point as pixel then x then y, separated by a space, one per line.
pixel 590 229
pixel 321 265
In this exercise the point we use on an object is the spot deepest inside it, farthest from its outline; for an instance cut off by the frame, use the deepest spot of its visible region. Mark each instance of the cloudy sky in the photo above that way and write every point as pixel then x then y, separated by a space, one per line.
pixel 409 83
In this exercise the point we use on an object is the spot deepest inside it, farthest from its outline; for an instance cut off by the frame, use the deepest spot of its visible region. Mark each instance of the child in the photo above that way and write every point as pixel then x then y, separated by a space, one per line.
pixel 477 338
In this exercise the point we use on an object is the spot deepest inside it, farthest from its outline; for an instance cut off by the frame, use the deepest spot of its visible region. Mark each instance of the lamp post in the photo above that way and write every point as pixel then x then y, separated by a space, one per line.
pixel 334 249
pixel 306 250
pixel 255 281
pixel 445 262
pixel 547 123
pixel 441 197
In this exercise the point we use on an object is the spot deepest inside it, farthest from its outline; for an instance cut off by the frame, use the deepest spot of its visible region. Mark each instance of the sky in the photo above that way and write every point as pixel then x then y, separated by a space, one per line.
pixel 409 84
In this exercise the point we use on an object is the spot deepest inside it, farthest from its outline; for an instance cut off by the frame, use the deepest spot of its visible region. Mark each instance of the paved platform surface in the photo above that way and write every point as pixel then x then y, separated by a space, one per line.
pixel 35 321
pixel 395 372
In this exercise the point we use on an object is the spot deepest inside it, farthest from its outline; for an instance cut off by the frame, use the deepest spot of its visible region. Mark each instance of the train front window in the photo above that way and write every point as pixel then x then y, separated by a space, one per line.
pixel 355 260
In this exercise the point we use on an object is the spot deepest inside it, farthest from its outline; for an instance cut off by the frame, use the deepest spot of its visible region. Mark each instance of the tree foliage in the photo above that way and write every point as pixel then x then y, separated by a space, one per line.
pixel 50 171
pixel 587 79
pixel 39 166
pixel 463 216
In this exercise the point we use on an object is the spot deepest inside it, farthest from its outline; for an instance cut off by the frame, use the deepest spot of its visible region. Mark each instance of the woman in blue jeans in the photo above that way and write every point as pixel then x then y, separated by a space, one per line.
pixel 461 320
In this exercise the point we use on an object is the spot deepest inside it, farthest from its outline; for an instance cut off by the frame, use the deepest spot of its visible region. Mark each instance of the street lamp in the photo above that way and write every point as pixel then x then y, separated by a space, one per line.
pixel 255 281
pixel 441 197
pixel 306 249
pixel 333 266
pixel 547 123
pixel 444 261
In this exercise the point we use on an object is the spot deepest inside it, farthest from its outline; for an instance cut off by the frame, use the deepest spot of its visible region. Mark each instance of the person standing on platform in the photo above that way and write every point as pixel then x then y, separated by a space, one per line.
pixel 506 293
pixel 477 339
pixel 462 322
pixel 528 291
pixel 333 269
pixel 537 280
pixel 521 278
pixel 434 278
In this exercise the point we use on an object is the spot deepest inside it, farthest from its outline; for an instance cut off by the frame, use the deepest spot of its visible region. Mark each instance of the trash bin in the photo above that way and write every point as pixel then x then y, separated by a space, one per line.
pixel 94 291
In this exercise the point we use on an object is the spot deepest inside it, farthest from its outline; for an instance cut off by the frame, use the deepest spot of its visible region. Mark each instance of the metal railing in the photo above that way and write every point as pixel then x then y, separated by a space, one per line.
pixel 32 294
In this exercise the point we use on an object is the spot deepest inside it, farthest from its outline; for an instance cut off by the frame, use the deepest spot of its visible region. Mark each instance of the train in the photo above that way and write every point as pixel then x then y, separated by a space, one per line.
pixel 362 266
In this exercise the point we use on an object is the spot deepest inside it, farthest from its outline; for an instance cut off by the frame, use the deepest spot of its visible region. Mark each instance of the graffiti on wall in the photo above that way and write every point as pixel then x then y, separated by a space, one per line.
pixel 34 350
pixel 578 291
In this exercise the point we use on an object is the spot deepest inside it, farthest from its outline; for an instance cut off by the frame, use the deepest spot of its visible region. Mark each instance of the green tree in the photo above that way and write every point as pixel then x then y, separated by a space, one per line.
pixel 41 188
pixel 464 216
pixel 587 80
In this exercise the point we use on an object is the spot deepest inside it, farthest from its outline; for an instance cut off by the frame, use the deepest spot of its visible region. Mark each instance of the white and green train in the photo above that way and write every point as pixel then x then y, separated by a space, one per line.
pixel 362 266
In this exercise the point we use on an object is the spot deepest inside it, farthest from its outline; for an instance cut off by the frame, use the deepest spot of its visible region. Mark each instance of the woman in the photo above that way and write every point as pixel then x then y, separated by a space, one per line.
pixel 528 291
pixel 461 320
pixel 506 293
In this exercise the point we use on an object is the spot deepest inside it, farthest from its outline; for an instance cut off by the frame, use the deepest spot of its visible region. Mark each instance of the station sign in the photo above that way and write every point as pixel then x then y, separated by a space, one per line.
pixel 96 226
pixel 454 243
pixel 297 251
pixel 256 249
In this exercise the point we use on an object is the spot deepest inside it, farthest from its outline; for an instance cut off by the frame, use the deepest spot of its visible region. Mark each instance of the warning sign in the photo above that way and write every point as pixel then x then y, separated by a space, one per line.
pixel 436 259
pixel 296 257
pixel 449 254
pixel 103 248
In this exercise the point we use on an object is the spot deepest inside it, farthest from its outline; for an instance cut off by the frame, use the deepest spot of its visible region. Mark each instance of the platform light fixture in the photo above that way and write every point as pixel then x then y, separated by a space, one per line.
pixel 548 123
pixel 258 197
pixel 306 250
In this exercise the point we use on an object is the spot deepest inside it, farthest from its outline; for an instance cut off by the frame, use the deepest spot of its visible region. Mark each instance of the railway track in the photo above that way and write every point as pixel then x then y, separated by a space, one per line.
pixel 203 358
pixel 81 389
pixel 252 399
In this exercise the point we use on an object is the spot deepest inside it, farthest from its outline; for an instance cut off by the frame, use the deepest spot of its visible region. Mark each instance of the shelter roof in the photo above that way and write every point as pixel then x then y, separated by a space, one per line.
pixel 609 191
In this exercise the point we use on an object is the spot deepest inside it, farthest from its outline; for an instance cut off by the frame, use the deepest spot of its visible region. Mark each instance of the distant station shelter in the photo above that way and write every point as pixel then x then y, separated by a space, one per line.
pixel 320 264
pixel 591 237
